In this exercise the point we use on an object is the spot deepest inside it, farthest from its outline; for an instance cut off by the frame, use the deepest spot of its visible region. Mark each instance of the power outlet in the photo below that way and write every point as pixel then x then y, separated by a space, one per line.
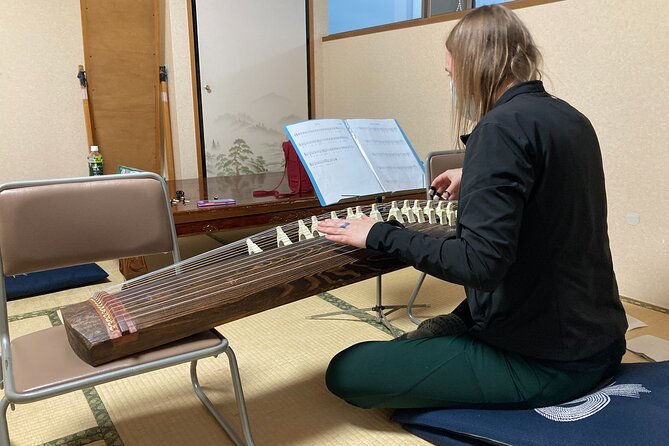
pixel 632 218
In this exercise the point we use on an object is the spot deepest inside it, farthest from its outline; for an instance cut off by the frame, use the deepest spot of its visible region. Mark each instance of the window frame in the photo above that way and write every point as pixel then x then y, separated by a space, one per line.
pixel 512 4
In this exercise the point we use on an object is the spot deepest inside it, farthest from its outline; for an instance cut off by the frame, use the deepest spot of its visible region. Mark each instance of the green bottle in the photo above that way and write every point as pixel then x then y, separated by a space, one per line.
pixel 95 161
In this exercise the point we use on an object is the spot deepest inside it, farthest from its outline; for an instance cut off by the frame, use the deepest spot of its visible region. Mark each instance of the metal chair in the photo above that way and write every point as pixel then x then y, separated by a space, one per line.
pixel 436 163
pixel 55 223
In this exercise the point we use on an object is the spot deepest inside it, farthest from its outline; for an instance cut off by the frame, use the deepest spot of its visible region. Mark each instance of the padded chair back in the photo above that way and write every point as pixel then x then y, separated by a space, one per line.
pixel 57 223
pixel 440 161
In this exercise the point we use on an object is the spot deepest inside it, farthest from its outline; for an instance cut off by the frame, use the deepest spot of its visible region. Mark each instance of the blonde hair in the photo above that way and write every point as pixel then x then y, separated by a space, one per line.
pixel 491 50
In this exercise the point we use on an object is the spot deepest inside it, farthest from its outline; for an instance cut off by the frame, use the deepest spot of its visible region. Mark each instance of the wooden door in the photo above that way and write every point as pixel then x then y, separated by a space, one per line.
pixel 122 62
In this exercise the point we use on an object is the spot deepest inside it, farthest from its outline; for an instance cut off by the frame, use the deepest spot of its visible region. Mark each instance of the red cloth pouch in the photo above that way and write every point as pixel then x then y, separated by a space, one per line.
pixel 298 180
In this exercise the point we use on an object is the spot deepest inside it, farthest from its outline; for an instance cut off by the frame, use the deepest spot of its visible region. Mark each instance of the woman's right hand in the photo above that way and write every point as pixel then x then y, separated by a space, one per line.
pixel 447 185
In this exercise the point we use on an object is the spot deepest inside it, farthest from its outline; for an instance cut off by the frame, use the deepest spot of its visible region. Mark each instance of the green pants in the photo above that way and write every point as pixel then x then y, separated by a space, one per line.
pixel 450 371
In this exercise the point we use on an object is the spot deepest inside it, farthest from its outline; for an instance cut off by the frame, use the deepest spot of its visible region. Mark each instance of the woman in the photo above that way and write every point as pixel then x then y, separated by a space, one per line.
pixel 542 322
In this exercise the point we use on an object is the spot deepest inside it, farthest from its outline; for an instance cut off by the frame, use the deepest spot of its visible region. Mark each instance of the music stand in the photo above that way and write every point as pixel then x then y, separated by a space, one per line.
pixel 381 311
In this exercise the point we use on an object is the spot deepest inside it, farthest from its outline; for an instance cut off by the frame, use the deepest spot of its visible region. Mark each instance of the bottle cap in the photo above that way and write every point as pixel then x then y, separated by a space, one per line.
pixel 94 148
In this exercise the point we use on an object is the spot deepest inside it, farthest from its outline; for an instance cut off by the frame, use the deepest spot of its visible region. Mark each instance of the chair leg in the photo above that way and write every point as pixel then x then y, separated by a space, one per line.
pixel 413 297
pixel 239 396
pixel 4 429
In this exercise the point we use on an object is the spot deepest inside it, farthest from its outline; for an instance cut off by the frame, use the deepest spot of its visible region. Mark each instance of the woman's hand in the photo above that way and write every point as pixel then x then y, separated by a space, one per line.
pixel 447 185
pixel 347 232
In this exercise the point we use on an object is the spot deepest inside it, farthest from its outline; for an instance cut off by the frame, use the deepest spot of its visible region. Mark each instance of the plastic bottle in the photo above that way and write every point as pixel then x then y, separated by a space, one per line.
pixel 95 161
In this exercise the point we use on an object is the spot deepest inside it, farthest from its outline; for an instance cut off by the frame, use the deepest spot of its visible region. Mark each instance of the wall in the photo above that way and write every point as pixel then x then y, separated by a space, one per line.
pixel 320 29
pixel 177 60
pixel 42 130
pixel 610 62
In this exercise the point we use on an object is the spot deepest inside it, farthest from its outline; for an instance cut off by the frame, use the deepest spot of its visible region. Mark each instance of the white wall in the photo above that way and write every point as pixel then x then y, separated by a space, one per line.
pixel 177 60
pixel 42 130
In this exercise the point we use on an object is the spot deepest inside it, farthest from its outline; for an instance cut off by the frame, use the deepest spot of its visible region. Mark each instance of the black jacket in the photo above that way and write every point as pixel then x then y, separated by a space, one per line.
pixel 532 248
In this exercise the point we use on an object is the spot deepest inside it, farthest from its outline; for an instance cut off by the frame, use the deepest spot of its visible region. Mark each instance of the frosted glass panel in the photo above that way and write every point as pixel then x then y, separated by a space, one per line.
pixel 252 58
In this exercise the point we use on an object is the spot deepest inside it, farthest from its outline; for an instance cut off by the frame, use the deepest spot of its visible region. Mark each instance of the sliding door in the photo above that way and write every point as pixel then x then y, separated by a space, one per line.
pixel 252 79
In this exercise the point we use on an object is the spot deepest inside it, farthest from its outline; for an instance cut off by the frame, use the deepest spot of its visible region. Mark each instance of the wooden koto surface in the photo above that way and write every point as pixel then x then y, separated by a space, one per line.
pixel 223 285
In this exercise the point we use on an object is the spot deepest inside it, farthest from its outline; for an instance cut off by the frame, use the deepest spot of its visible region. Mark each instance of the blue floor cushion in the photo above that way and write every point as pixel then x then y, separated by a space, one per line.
pixel 632 410
pixel 24 285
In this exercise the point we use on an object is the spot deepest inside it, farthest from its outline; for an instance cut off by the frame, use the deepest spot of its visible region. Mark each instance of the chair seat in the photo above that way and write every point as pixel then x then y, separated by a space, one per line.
pixel 45 358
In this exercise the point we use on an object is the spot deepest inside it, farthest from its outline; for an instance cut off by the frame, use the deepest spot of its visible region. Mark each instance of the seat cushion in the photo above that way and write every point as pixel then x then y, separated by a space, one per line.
pixel 630 411
pixel 45 358
pixel 24 285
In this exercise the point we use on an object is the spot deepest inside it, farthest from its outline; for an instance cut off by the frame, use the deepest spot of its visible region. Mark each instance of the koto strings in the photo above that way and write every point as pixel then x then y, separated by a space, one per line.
pixel 158 296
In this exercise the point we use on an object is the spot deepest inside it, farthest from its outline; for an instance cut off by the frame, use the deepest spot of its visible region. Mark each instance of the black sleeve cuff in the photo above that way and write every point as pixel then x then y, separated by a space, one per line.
pixel 380 231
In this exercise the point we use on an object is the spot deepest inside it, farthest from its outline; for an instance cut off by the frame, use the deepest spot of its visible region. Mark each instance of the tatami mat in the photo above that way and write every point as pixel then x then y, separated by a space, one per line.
pixel 282 356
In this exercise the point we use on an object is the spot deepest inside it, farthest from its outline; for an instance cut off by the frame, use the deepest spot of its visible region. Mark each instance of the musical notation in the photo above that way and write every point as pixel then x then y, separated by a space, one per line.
pixel 356 157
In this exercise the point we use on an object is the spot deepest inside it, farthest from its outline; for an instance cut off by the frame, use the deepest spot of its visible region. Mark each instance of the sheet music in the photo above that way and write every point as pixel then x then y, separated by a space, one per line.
pixel 333 160
pixel 388 151
pixel 633 323
pixel 651 347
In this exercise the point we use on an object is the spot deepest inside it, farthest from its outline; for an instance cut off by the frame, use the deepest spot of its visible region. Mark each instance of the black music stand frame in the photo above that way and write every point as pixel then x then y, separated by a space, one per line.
pixel 381 311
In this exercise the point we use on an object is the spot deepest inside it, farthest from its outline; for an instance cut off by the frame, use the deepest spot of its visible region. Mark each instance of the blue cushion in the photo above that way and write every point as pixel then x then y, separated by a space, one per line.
pixel 23 285
pixel 631 411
